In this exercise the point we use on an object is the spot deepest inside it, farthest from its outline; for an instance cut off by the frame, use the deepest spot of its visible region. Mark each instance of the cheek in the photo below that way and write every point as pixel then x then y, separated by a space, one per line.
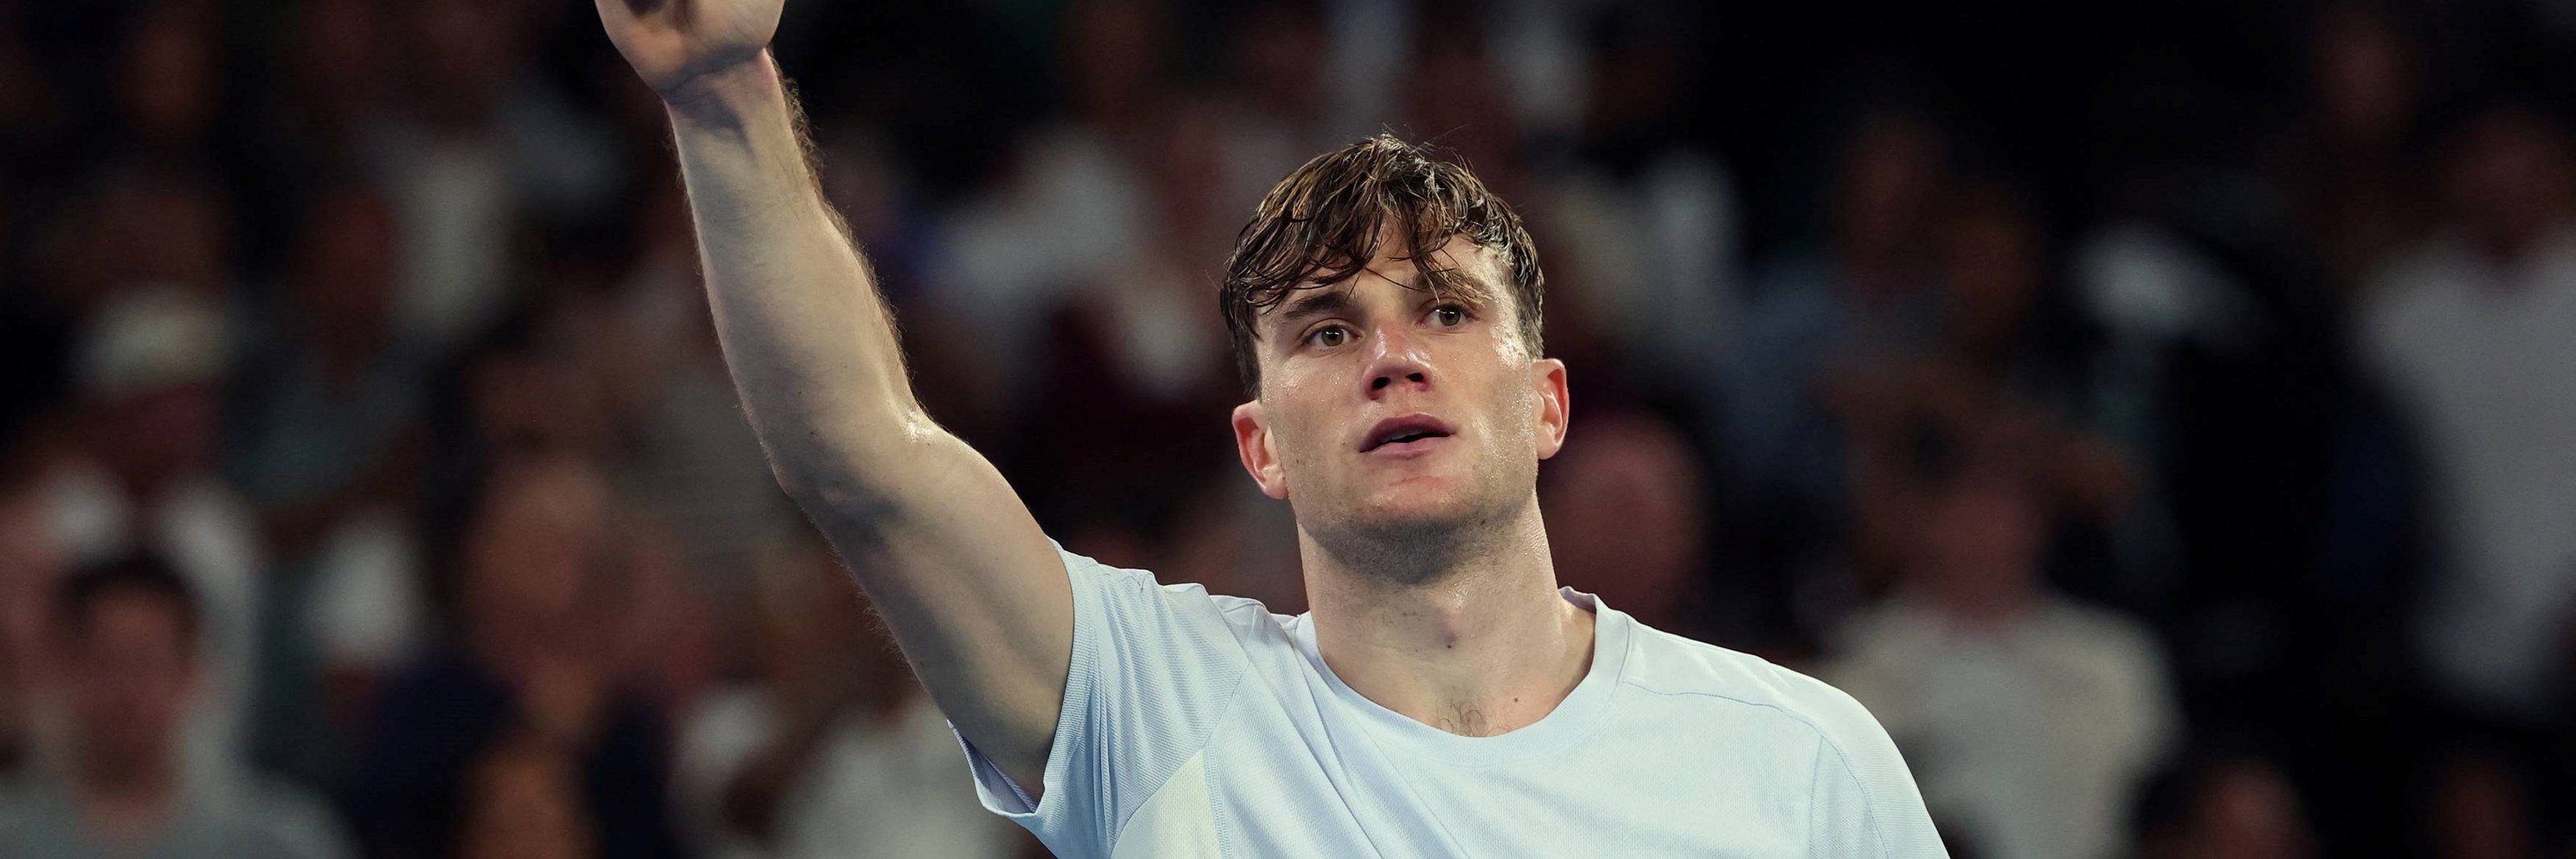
pixel 1514 411
pixel 1298 444
pixel 1299 421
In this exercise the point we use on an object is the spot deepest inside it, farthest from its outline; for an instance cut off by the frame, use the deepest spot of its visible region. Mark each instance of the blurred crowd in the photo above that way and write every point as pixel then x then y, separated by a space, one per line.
pixel 2159 415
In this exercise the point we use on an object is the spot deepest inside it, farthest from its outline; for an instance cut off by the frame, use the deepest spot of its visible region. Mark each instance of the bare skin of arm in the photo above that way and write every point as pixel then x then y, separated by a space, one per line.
pixel 947 553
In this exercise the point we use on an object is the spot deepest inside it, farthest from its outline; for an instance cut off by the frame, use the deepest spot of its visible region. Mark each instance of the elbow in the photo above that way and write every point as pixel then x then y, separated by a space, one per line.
pixel 798 486
pixel 853 512
pixel 839 493
pixel 856 478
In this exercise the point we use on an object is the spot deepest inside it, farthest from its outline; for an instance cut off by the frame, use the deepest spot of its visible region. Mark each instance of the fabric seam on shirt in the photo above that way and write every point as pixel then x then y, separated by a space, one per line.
pixel 1813 786
pixel 1233 697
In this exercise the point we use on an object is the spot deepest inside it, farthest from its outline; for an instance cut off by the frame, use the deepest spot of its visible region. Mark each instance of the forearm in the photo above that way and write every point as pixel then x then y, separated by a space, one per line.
pixel 810 343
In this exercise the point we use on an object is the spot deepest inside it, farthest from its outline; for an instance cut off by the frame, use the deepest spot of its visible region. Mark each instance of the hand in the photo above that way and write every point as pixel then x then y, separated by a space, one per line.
pixel 674 44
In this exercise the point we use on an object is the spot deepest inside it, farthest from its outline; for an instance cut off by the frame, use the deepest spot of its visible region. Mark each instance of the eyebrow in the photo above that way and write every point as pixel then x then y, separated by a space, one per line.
pixel 1317 302
pixel 1327 300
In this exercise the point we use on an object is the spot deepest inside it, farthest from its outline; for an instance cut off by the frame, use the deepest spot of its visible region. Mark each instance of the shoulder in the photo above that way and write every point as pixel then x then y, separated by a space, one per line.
pixel 1669 665
pixel 1861 798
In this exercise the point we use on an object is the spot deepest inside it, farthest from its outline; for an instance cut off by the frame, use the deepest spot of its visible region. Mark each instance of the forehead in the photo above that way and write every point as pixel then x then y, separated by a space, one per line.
pixel 1480 276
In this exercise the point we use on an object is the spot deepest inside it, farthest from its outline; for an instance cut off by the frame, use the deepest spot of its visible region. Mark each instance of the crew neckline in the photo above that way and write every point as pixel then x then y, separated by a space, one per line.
pixel 1571 720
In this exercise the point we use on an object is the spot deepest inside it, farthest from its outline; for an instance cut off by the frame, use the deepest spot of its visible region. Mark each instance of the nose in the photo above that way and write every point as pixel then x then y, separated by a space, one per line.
pixel 1396 363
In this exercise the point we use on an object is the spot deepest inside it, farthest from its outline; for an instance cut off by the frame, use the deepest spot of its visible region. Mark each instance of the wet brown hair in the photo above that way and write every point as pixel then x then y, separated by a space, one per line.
pixel 1324 223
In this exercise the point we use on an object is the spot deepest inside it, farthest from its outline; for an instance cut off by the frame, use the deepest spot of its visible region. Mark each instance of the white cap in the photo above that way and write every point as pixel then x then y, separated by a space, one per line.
pixel 151 337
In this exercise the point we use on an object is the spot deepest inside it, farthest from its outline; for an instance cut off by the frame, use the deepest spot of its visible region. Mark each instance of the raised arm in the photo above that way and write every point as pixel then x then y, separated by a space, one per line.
pixel 951 558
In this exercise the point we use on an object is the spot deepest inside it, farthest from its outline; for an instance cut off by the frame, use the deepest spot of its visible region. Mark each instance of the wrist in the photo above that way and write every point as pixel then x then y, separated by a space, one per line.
pixel 722 92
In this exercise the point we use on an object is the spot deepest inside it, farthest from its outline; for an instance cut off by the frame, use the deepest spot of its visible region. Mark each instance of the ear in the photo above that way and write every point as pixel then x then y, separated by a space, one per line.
pixel 1547 375
pixel 1252 443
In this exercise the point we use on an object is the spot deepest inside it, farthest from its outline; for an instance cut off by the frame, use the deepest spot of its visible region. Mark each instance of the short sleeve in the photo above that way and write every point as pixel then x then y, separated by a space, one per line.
pixel 1862 800
pixel 1153 669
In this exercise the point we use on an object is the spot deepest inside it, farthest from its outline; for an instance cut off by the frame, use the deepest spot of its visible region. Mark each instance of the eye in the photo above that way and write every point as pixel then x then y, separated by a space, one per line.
pixel 1449 316
pixel 1329 336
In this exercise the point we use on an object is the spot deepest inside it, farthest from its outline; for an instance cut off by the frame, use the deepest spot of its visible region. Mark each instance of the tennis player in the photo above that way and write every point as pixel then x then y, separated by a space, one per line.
pixel 1445 697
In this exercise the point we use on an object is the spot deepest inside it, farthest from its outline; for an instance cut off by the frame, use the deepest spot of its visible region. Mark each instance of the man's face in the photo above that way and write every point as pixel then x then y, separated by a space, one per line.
pixel 538 545
pixel 132 674
pixel 1387 411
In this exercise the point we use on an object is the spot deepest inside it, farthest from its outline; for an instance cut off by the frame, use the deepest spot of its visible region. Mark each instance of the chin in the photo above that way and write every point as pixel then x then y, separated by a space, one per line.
pixel 1418 507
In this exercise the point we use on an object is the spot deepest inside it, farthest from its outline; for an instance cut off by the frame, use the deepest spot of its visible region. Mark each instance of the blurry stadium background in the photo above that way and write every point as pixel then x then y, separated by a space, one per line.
pixel 2162 415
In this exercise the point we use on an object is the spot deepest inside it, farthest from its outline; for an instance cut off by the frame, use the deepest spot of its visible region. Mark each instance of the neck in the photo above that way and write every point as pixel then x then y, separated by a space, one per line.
pixel 1472 640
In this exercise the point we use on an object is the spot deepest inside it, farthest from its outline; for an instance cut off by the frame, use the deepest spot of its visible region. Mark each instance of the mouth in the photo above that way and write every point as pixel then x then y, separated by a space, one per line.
pixel 1410 432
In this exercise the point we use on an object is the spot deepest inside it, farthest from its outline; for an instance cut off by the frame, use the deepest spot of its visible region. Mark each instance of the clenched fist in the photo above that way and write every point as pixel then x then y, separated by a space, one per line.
pixel 674 44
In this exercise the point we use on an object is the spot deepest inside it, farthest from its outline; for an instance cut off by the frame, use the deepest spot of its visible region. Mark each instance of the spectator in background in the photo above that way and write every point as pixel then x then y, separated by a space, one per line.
pixel 1818 322
pixel 1626 519
pixel 516 395
pixel 130 645
pixel 2028 720
pixel 2470 331
pixel 327 445
pixel 2008 334
pixel 446 166
pixel 523 801
pixel 2352 168
pixel 2225 808
pixel 1866 305
pixel 543 596
pixel 1135 364
pixel 324 412
pixel 1072 212
pixel 113 235
pixel 1650 221
pixel 2470 334
pixel 835 751
pixel 140 475
pixel 480 154
pixel 1997 321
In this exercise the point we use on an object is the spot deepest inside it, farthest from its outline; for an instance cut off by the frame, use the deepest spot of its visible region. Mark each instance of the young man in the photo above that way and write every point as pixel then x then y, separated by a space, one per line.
pixel 1444 698
pixel 132 669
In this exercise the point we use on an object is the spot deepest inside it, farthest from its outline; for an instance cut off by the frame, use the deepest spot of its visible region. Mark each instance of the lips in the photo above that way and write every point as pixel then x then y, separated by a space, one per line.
pixel 1403 430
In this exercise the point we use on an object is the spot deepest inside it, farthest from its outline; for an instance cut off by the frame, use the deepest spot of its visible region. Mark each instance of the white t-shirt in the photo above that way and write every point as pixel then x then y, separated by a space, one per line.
pixel 1198 725
pixel 2476 354
pixel 2041 728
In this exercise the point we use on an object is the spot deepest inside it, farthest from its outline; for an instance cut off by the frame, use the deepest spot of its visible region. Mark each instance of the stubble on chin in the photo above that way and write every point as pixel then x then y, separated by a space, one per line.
pixel 1414 547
